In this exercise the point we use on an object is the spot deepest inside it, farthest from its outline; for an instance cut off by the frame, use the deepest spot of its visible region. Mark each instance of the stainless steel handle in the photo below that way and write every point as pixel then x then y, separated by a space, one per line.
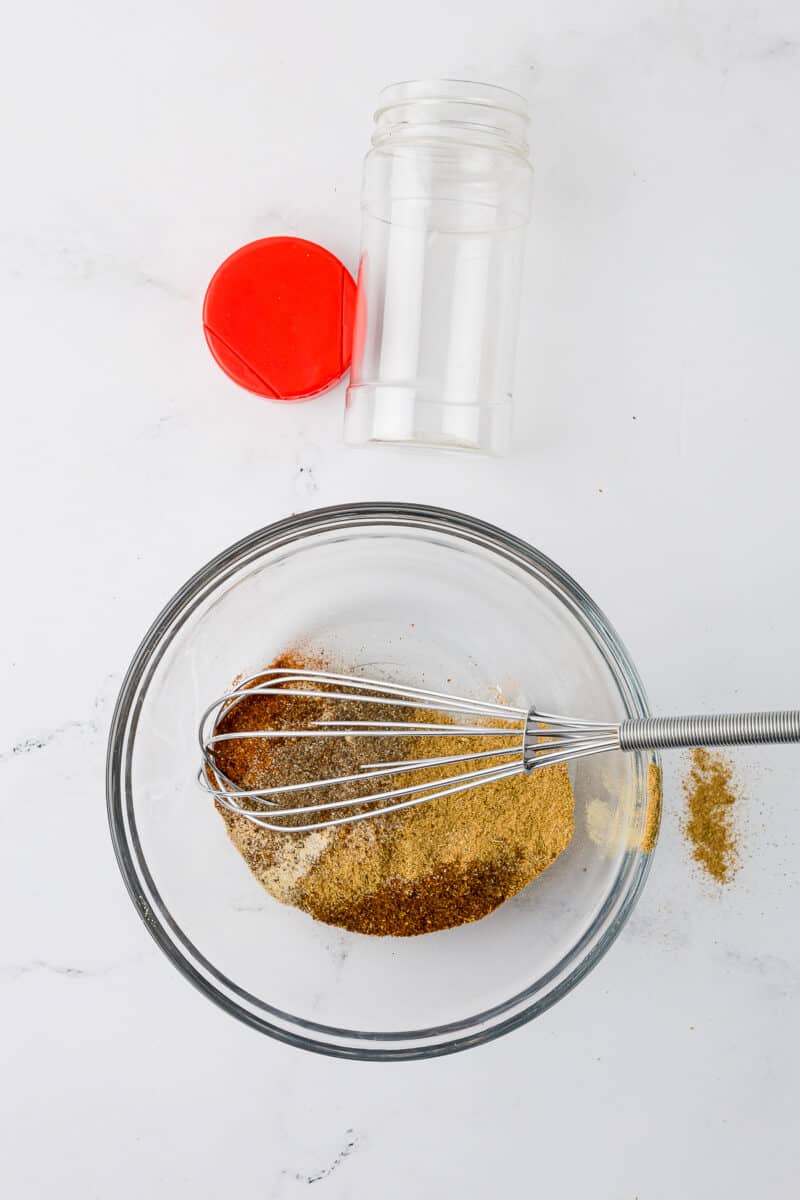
pixel 731 729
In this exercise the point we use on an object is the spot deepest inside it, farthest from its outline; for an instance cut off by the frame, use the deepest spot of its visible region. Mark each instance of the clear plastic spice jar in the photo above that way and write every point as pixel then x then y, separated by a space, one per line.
pixel 445 204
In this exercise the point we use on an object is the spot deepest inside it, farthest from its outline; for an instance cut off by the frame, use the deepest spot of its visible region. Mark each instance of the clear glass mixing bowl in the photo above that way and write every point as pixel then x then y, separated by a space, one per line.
pixel 432 598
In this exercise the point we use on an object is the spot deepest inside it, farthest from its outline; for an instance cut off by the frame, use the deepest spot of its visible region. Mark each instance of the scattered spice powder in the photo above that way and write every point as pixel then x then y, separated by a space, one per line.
pixel 432 867
pixel 709 823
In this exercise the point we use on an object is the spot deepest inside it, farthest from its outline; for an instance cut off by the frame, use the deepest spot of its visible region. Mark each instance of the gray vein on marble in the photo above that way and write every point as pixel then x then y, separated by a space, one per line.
pixel 307 458
pixel 272 216
pixel 14 971
pixel 315 1176
pixel 672 934
pixel 779 48
pixel 83 726
pixel 36 260
pixel 42 741
pixel 11 972
pixel 305 481
pixel 780 972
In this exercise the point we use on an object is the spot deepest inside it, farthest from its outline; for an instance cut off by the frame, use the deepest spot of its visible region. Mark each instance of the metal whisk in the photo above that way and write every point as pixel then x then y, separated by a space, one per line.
pixel 535 739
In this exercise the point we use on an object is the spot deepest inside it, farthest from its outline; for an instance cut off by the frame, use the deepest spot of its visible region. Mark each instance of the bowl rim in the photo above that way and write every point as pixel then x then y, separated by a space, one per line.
pixel 324 1039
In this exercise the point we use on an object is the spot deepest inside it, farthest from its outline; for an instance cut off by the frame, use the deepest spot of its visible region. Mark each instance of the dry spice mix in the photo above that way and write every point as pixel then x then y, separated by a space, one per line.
pixel 432 867
pixel 709 823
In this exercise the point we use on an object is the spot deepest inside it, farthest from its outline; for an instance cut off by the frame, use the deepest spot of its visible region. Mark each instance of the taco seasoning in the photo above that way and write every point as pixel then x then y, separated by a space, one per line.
pixel 435 866
pixel 709 821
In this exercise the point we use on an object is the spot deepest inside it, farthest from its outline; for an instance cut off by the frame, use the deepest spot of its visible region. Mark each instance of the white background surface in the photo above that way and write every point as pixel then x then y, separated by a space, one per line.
pixel 656 460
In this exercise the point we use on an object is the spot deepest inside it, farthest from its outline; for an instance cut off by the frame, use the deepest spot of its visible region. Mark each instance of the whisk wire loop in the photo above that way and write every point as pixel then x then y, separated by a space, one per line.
pixel 535 739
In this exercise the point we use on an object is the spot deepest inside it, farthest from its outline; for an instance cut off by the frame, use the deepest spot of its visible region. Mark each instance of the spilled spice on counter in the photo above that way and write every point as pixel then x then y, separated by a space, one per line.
pixel 432 867
pixel 709 823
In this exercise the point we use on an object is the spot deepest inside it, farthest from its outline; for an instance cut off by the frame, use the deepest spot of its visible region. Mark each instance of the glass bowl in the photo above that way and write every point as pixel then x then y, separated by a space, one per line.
pixel 425 596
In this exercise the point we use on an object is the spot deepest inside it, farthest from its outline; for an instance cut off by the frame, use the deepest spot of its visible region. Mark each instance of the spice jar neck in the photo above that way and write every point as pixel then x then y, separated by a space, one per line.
pixel 453 111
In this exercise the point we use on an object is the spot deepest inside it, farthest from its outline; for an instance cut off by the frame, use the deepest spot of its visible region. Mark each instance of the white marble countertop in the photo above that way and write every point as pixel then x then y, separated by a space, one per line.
pixel 657 459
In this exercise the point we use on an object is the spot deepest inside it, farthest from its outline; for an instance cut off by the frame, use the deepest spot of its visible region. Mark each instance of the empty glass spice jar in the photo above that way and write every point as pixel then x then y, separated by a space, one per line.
pixel 445 204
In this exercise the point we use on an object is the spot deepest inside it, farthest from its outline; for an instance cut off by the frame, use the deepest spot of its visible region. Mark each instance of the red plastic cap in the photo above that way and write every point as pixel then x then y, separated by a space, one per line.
pixel 278 318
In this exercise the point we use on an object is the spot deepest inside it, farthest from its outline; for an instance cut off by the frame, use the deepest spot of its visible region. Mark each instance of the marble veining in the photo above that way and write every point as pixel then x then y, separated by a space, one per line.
pixel 318 1174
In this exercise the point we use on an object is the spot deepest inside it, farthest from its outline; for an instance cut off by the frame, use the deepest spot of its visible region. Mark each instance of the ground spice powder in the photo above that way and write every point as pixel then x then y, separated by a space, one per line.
pixel 432 867
pixel 709 822
pixel 655 797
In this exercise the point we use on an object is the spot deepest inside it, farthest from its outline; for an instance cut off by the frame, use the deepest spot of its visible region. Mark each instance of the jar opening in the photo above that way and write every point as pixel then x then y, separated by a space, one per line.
pixel 452 110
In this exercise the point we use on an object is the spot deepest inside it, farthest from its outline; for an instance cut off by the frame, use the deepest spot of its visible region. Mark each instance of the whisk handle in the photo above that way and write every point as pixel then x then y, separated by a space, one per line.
pixel 731 729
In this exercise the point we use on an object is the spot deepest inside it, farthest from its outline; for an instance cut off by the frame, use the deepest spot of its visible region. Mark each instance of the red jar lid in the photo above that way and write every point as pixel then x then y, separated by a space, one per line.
pixel 278 318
